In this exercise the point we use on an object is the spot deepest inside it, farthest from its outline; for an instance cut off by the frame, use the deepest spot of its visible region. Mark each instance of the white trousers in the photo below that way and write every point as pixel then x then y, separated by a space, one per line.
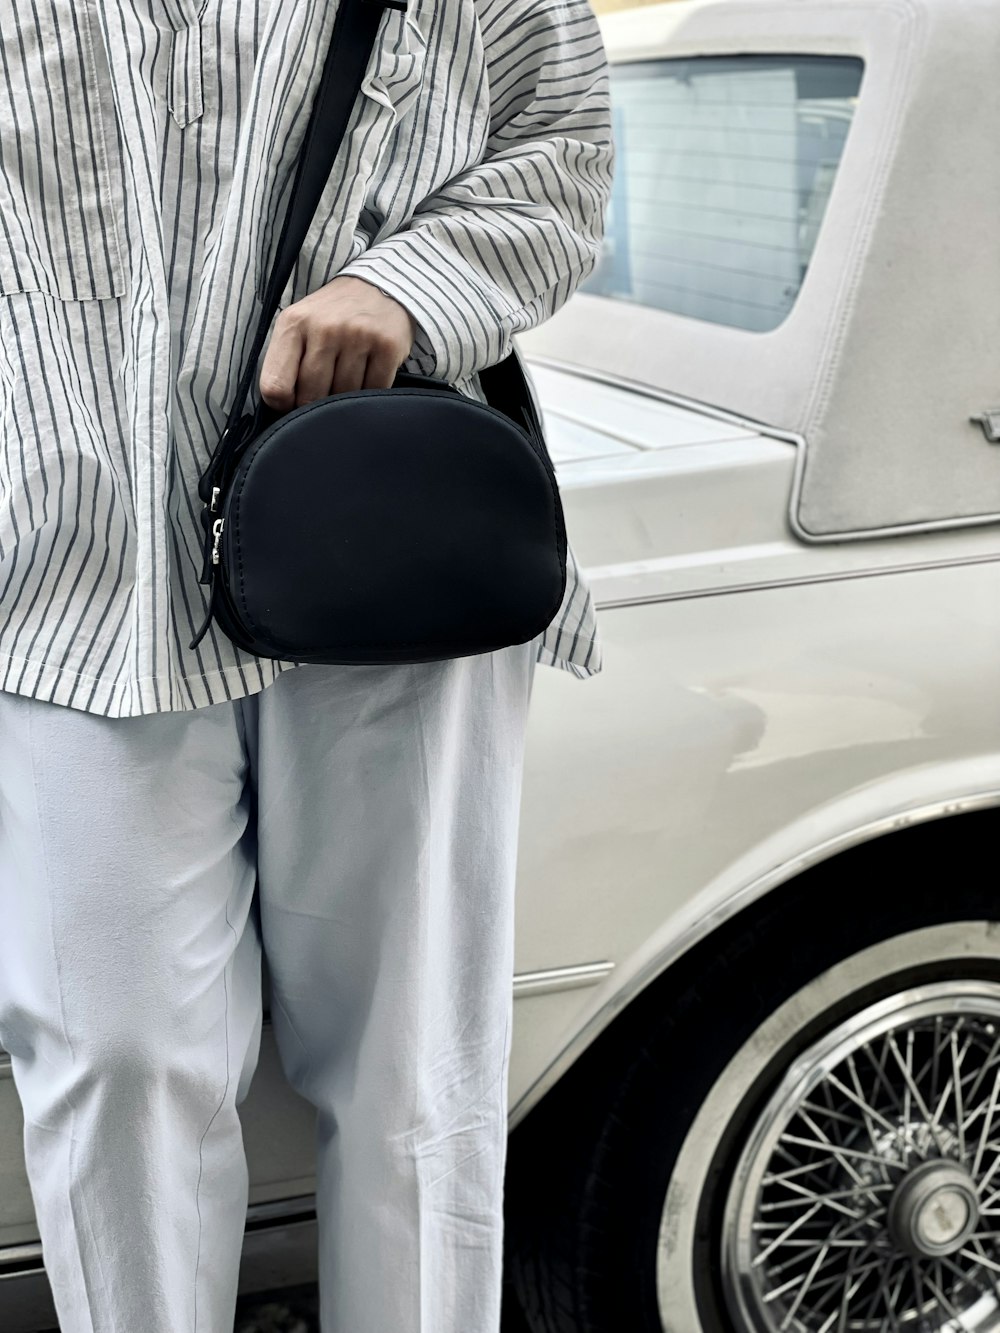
pixel 358 822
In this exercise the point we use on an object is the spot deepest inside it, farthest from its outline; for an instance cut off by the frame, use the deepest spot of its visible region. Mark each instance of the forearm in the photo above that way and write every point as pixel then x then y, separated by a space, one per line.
pixel 502 245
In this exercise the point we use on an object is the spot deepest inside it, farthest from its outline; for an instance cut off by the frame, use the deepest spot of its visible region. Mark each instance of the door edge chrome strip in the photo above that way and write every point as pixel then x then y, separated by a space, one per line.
pixel 280 1210
pixel 543 982
pixel 11 1255
pixel 799 581
pixel 560 978
pixel 258 1215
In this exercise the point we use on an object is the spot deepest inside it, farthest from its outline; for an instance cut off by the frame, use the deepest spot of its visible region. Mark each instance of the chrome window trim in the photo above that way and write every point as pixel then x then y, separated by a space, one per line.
pixel 669 55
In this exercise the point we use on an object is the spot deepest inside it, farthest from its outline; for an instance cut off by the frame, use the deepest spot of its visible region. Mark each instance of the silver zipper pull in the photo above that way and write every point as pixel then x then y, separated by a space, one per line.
pixel 216 491
pixel 217 527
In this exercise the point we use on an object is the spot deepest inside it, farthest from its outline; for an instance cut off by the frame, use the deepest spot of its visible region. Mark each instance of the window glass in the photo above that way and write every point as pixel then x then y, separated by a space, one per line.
pixel 723 171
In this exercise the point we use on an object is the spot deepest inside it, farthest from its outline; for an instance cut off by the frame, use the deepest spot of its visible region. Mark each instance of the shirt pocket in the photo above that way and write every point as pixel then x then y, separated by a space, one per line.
pixel 60 182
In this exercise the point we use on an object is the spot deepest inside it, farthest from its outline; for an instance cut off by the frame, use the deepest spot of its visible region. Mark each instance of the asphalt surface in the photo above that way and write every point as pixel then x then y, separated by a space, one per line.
pixel 295 1311
pixel 285 1312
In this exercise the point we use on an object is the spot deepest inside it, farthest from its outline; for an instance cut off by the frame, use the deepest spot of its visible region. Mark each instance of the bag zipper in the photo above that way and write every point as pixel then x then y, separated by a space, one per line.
pixel 217 528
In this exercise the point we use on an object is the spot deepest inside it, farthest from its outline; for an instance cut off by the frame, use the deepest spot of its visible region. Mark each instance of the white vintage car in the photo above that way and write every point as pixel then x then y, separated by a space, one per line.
pixel 755 1077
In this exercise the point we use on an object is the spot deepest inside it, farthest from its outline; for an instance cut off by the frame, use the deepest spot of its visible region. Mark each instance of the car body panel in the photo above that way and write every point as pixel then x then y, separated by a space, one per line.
pixel 700 504
pixel 727 736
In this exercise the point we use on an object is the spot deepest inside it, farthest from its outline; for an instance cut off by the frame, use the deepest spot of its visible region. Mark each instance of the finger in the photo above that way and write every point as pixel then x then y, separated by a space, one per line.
pixel 316 371
pixel 279 372
pixel 349 372
pixel 381 369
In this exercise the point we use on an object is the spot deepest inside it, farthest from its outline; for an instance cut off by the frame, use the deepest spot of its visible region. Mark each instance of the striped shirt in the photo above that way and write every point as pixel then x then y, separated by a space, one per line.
pixel 147 149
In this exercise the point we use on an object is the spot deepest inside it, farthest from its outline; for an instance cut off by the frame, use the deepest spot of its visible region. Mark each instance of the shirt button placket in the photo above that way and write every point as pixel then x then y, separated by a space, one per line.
pixel 186 85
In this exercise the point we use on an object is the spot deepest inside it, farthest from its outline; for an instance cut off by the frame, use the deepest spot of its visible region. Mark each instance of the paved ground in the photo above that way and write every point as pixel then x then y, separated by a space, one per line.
pixel 291 1312
pixel 295 1312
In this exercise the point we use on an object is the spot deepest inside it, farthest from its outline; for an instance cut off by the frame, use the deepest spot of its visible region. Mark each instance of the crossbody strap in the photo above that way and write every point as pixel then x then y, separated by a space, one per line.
pixel 354 34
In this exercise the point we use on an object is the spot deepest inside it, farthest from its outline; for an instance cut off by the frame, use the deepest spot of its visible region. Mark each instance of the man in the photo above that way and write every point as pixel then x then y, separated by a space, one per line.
pixel 166 813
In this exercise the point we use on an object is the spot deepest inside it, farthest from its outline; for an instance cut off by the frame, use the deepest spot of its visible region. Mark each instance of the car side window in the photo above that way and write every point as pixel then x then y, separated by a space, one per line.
pixel 723 173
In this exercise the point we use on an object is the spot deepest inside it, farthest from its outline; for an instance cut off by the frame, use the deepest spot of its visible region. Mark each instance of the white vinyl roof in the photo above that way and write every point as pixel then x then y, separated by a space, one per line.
pixel 894 341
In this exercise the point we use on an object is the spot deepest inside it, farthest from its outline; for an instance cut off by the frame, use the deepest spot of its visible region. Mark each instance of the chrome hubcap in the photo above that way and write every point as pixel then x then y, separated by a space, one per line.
pixel 868 1195
pixel 934 1209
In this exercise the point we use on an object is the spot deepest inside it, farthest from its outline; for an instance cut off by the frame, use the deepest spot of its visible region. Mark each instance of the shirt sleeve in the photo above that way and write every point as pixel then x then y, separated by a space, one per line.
pixel 503 244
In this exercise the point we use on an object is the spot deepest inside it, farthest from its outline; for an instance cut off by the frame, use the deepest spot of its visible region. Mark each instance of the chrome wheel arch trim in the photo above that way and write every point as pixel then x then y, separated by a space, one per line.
pixel 754 890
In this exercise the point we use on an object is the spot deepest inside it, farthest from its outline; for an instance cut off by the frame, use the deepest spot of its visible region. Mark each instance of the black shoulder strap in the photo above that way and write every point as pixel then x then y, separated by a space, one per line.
pixel 354 33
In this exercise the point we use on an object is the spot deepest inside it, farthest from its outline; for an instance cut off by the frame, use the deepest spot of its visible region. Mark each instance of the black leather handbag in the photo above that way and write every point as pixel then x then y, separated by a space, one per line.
pixel 406 524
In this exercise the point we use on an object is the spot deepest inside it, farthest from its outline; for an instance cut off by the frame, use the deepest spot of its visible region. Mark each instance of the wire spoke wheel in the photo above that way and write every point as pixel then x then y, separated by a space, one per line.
pixel 867 1197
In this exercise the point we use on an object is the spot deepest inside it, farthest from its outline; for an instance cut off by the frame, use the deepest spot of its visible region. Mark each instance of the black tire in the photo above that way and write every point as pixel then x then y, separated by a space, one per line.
pixel 590 1168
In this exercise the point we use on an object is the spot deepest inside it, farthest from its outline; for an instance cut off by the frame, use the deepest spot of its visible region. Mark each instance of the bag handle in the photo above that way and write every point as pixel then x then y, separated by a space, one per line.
pixel 354 34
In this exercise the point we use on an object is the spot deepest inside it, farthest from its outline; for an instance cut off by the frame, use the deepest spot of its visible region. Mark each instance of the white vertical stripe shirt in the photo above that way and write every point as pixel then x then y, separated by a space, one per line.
pixel 147 149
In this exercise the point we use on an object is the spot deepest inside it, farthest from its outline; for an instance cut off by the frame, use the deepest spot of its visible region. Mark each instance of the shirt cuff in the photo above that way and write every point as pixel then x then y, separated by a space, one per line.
pixel 460 329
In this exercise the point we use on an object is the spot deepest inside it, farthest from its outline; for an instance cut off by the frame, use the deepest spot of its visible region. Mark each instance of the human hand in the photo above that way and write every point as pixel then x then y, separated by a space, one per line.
pixel 346 335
